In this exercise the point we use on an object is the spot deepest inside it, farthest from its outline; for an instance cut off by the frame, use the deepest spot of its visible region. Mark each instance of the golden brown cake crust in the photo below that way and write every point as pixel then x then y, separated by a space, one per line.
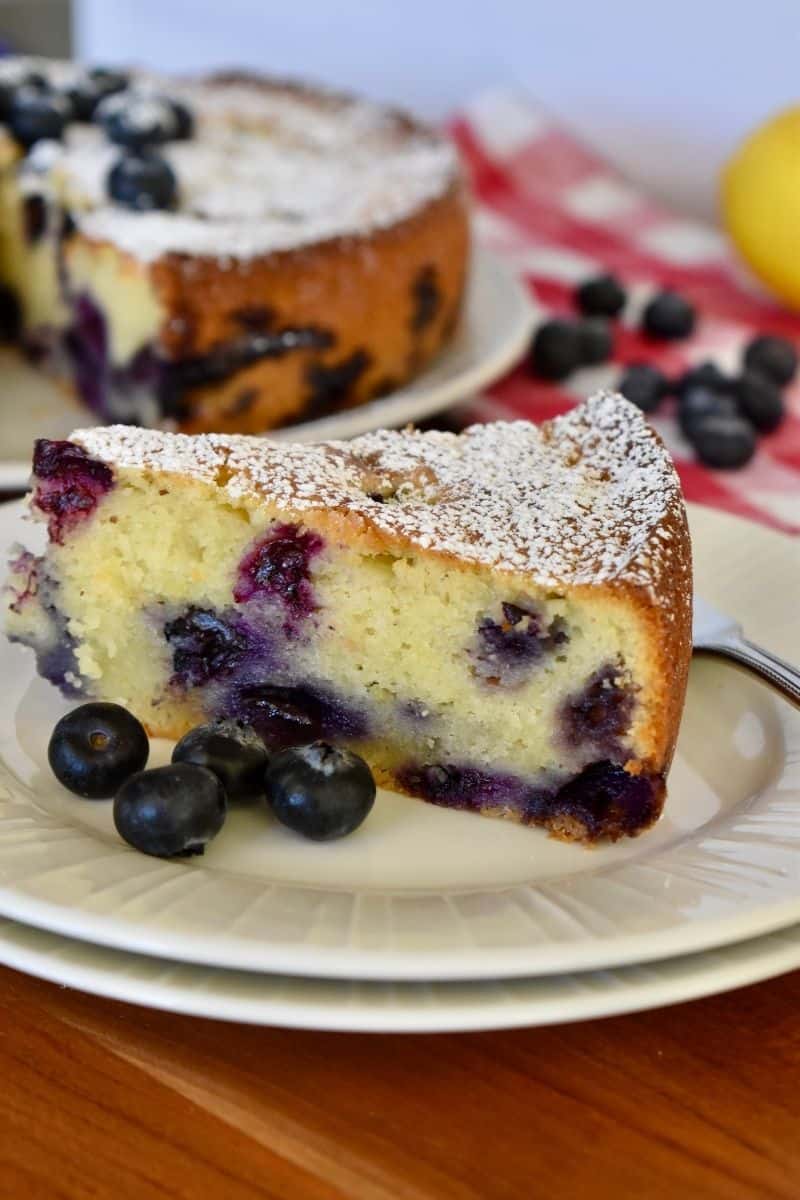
pixel 590 499
pixel 670 626
pixel 367 294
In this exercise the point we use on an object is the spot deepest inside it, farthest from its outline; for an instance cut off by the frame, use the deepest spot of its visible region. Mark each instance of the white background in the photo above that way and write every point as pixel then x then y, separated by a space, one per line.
pixel 664 87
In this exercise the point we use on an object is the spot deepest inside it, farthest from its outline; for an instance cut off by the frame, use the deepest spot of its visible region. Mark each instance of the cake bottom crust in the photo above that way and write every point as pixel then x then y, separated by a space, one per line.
pixel 604 802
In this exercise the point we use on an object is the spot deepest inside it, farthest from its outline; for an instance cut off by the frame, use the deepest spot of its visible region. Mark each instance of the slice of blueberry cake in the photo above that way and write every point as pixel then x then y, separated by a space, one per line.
pixel 498 621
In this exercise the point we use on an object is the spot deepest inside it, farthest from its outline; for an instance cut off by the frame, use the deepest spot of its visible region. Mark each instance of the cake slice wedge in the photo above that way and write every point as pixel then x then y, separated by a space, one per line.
pixel 498 620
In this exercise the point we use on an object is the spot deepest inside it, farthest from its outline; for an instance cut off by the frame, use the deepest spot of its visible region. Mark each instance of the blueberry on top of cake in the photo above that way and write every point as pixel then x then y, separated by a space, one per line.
pixel 497 620
pixel 224 253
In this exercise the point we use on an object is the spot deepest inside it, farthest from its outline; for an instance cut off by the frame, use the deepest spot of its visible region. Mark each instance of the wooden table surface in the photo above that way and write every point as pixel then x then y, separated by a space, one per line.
pixel 104 1099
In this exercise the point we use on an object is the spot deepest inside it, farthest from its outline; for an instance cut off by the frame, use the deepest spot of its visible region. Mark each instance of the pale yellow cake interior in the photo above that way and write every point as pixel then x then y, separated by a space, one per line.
pixel 119 286
pixel 389 629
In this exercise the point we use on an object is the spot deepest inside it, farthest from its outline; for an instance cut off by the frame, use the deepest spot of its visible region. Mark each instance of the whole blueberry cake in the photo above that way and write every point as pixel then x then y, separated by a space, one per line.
pixel 230 253
pixel 497 621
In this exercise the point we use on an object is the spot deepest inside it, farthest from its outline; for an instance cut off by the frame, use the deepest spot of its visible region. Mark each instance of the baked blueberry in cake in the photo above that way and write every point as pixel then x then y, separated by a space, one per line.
pixel 230 253
pixel 497 621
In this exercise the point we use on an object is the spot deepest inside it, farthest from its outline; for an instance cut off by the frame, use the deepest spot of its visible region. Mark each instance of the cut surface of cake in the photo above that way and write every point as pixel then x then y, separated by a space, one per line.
pixel 270 253
pixel 498 620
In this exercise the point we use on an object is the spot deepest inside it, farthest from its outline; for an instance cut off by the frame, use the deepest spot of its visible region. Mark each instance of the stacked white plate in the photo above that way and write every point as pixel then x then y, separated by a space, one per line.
pixel 425 918
pixel 428 919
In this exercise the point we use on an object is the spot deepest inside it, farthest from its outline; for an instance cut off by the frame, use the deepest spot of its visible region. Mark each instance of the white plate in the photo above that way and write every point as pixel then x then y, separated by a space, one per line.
pixel 424 892
pixel 494 331
pixel 360 1007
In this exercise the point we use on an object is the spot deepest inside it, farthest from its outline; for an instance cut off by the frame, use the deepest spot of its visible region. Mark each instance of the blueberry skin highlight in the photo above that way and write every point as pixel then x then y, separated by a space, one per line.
pixel 774 357
pixel 143 182
pixel 320 791
pixel 36 115
pixel 698 402
pixel 601 296
pixel 724 442
pixel 760 400
pixel 233 751
pixel 644 385
pixel 669 317
pixel 556 350
pixel 95 748
pixel 137 121
pixel 172 811
pixel 705 375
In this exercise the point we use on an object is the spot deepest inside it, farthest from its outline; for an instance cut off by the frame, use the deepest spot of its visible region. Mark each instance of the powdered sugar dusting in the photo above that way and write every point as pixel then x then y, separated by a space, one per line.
pixel 130 447
pixel 270 167
pixel 59 72
pixel 585 499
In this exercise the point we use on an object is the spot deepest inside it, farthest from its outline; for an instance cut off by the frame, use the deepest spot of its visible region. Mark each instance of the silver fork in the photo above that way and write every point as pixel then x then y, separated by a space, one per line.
pixel 716 633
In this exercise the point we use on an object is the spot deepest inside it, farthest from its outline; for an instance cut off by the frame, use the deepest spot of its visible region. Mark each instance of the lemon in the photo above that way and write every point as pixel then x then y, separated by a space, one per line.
pixel 760 195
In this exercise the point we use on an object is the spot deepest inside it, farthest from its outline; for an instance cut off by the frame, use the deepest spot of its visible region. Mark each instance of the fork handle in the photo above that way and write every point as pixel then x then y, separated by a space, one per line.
pixel 775 671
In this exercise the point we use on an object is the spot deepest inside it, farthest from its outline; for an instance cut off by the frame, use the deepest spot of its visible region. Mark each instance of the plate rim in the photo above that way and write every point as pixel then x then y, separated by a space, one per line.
pixel 489 274
pixel 361 1006
pixel 474 963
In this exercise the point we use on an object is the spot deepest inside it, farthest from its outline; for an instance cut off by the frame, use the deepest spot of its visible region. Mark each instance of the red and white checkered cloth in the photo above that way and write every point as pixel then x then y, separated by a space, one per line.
pixel 558 214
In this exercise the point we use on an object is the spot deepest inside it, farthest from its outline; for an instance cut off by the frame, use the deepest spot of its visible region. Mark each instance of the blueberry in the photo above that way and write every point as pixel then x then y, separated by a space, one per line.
pixel 668 316
pixel 65 460
pixel 169 811
pixel 697 403
pixel 517 639
pixel 503 652
pixel 644 386
pixel 233 751
pixel 69 484
pixel 184 120
pixel 427 298
pixel 723 441
pixel 760 400
pixel 706 374
pixel 36 115
pixel 73 99
pixel 466 787
pixel 95 748
pixel 596 341
pixel 205 645
pixel 602 296
pixel 283 716
pixel 278 565
pixel 6 99
pixel 330 386
pixel 109 79
pixel 36 80
pixel 10 314
pixel 600 714
pixel 34 217
pixel 774 357
pixel 556 349
pixel 86 92
pixel 605 799
pixel 143 182
pixel 86 343
pixel 320 791
pixel 137 120
pixel 294 716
